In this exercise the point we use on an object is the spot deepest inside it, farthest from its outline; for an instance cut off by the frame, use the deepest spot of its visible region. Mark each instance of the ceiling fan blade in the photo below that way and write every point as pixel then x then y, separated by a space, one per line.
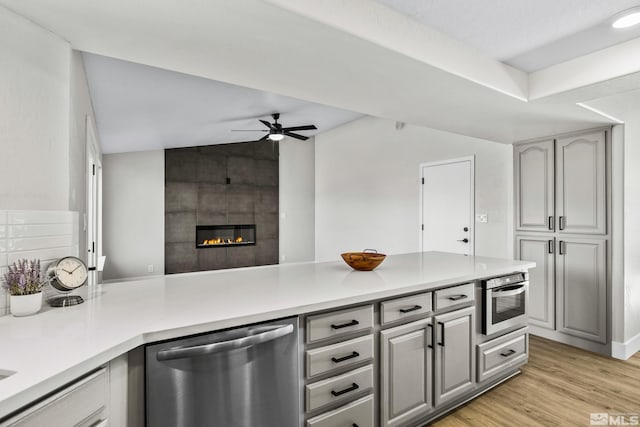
pixel 264 138
pixel 296 136
pixel 308 127
pixel 249 130
pixel 267 124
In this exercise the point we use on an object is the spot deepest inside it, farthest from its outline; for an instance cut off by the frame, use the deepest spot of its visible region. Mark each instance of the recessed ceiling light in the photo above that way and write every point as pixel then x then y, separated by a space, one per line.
pixel 627 19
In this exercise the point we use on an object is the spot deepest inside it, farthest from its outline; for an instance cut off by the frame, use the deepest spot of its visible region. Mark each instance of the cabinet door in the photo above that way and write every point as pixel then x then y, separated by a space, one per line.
pixel 541 250
pixel 534 183
pixel 581 194
pixel 406 372
pixel 454 371
pixel 582 288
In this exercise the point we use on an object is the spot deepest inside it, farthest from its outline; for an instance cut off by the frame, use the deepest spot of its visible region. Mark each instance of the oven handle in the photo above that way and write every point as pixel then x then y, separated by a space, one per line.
pixel 270 334
pixel 496 293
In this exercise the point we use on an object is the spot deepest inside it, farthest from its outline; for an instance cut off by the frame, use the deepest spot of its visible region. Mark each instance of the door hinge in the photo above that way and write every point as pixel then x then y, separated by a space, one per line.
pixel 93 247
pixel 422 180
pixel 93 169
pixel 422 227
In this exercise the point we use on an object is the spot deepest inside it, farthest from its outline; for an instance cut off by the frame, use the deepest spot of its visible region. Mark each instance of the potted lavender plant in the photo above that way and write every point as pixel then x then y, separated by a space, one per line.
pixel 24 283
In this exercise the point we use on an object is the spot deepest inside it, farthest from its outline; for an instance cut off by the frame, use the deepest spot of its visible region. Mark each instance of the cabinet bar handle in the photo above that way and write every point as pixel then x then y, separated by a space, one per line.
pixel 409 310
pixel 507 353
pixel 562 249
pixel 458 297
pixel 346 325
pixel 562 222
pixel 342 359
pixel 353 387
pixel 430 335
pixel 550 223
pixel 551 248
pixel 442 334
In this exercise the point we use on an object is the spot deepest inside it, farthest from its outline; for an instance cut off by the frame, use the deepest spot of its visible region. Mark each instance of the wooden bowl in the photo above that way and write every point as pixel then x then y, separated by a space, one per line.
pixel 363 261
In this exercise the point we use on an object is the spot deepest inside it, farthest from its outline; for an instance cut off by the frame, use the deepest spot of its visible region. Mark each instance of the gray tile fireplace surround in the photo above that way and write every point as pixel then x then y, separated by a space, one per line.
pixel 218 185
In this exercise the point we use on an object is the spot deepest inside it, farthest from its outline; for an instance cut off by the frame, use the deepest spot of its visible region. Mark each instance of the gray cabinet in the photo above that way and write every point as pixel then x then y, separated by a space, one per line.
pixel 534 184
pixel 541 250
pixel 406 372
pixel 454 354
pixel 564 178
pixel 581 274
pixel 580 184
pixel 84 403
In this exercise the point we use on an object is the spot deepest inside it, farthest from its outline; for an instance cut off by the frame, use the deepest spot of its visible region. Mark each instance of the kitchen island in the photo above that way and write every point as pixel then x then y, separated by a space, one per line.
pixel 50 349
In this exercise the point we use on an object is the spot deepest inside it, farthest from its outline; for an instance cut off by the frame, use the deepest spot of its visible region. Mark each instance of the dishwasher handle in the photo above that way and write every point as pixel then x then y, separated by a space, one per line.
pixel 271 334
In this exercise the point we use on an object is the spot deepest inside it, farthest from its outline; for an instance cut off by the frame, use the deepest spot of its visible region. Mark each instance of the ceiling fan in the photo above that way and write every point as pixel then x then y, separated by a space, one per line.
pixel 277 132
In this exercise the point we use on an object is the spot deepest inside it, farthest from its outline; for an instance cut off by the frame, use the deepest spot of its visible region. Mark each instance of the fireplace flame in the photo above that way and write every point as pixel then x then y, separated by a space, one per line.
pixel 221 241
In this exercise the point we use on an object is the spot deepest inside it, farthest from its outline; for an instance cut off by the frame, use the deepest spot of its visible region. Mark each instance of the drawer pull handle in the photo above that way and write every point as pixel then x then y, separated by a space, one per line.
pixel 346 325
pixel 342 359
pixel 441 343
pixel 353 387
pixel 550 223
pixel 430 334
pixel 458 297
pixel 409 310
pixel 507 353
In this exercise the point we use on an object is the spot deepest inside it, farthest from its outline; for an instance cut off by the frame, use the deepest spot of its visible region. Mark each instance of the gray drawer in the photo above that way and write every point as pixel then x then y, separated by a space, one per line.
pixel 452 297
pixel 358 413
pixel 346 353
pixel 79 404
pixel 324 392
pixel 337 323
pixel 502 354
pixel 405 307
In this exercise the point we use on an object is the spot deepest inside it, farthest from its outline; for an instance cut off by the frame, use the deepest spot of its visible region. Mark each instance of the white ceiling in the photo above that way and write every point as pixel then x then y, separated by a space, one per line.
pixel 530 35
pixel 357 56
pixel 140 108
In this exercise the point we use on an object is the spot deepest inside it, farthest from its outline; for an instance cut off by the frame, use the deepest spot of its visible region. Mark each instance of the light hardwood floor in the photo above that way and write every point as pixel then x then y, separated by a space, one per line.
pixel 560 386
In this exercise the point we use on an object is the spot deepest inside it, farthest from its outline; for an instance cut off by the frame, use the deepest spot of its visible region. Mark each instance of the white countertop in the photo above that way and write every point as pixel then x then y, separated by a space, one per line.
pixel 54 347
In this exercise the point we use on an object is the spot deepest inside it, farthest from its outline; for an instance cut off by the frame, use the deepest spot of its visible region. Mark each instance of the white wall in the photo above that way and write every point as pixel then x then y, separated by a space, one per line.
pixel 632 225
pixel 34 116
pixel 367 187
pixel 626 285
pixel 133 216
pixel 80 108
pixel 297 200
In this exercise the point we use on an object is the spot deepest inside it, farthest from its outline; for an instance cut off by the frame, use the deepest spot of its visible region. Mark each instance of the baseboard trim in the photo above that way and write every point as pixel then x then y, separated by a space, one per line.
pixel 582 343
pixel 624 350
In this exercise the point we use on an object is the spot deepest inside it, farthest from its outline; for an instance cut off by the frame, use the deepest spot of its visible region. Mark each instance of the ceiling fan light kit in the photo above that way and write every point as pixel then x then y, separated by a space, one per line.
pixel 275 136
pixel 276 132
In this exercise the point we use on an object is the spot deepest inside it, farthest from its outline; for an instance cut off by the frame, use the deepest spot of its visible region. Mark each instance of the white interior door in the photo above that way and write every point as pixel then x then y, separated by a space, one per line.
pixel 448 206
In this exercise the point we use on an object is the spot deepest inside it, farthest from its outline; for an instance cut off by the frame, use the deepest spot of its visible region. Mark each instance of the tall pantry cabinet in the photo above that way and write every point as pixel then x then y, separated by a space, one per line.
pixel 561 216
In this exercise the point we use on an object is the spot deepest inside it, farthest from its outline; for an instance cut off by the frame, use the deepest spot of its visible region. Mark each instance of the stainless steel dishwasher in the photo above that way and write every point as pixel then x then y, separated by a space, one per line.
pixel 241 377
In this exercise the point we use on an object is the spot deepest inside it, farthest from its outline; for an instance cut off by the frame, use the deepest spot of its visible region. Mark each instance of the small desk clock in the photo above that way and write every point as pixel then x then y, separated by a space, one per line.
pixel 67 274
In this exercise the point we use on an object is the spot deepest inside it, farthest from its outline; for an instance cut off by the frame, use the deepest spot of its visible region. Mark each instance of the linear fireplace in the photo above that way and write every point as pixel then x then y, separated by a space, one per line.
pixel 220 236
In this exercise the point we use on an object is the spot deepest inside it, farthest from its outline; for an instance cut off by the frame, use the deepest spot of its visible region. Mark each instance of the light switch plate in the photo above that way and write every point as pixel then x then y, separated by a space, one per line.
pixel 482 218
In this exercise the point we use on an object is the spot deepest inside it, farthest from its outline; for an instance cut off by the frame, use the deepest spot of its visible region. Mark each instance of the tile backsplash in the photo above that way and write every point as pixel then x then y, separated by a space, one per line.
pixel 46 235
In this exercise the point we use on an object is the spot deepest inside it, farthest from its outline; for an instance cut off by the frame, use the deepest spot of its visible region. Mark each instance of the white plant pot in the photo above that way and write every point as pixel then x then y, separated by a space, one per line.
pixel 25 305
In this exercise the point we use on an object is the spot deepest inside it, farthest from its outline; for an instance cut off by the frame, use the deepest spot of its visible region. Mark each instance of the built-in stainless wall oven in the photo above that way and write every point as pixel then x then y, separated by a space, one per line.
pixel 505 302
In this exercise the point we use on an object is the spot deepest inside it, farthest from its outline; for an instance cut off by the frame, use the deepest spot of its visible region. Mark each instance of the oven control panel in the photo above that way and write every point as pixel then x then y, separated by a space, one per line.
pixel 505 280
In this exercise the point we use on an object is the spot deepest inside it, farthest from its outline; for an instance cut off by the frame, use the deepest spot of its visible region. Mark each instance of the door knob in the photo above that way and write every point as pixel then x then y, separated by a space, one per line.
pixel 465 240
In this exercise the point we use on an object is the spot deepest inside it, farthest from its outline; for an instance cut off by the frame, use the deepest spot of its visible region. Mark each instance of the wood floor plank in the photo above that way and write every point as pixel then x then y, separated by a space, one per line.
pixel 560 386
